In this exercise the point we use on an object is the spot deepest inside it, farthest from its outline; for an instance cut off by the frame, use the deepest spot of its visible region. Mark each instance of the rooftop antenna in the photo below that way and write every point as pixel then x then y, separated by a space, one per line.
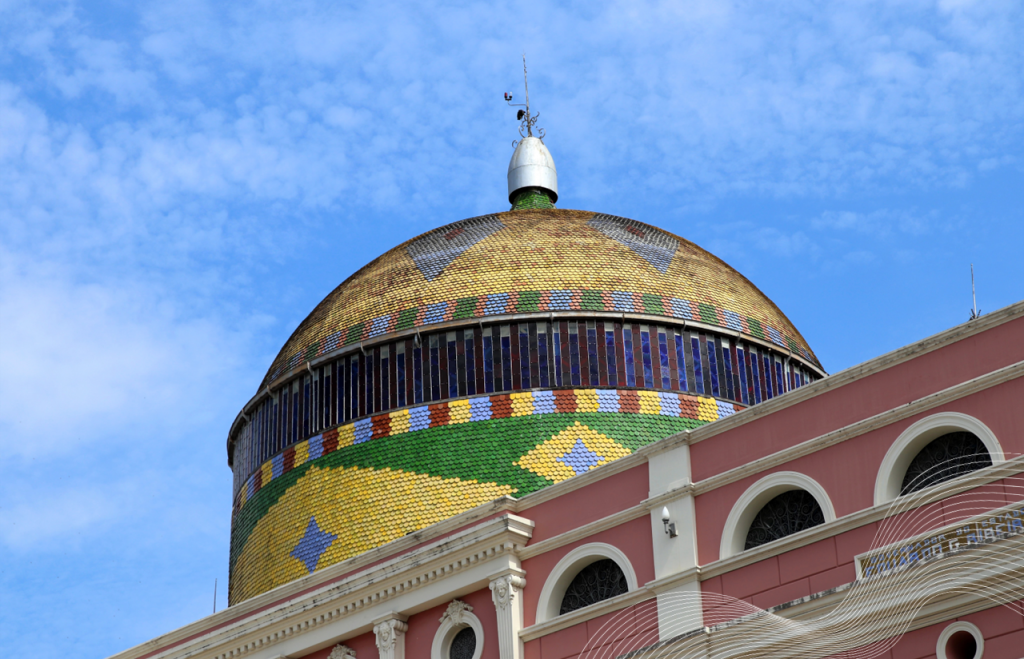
pixel 974 296
pixel 528 121
pixel 215 595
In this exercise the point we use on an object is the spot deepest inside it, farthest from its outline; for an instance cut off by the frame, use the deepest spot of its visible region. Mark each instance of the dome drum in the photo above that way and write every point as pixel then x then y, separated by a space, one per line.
pixel 550 351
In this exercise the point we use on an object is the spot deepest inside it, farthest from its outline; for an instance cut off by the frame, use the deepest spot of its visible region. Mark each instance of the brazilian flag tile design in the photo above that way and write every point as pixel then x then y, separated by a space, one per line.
pixel 330 503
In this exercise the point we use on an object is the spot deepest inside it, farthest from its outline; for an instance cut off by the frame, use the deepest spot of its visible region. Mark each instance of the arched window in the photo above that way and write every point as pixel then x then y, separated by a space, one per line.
pixel 788 513
pixel 596 582
pixel 946 457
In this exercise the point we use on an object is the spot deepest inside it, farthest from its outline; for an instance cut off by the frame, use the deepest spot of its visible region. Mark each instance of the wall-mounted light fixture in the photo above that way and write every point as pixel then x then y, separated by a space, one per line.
pixel 670 526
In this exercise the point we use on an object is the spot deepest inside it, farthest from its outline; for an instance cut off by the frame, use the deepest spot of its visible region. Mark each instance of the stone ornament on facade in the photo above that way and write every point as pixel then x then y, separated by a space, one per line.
pixel 504 589
pixel 454 613
pixel 342 651
pixel 390 638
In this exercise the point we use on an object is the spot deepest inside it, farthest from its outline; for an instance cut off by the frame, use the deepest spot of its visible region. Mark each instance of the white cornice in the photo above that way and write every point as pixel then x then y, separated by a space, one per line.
pixel 875 422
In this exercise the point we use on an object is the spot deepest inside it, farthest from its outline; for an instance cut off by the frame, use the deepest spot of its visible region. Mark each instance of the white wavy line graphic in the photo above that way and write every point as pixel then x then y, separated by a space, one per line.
pixel 873 613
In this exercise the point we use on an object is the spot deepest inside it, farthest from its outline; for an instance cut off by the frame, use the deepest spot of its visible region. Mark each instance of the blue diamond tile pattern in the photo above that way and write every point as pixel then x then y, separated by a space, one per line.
pixel 654 246
pixel 579 458
pixel 313 544
pixel 436 250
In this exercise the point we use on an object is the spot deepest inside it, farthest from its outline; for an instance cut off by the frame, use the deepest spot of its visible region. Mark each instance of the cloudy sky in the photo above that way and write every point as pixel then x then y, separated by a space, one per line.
pixel 181 182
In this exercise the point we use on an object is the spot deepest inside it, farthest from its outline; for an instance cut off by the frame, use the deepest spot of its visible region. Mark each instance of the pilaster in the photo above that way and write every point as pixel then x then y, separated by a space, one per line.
pixel 508 605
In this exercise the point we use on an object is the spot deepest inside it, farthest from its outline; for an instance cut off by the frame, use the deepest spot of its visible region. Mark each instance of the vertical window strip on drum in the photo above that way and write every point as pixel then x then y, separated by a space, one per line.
pixel 512 357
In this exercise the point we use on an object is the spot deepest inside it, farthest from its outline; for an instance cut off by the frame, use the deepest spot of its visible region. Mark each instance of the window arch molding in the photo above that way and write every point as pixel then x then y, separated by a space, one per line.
pixel 458 616
pixel 737 524
pixel 916 437
pixel 550 601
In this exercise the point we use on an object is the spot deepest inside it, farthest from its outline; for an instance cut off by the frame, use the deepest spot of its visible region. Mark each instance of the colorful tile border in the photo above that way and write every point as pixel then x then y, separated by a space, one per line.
pixel 482 408
pixel 522 302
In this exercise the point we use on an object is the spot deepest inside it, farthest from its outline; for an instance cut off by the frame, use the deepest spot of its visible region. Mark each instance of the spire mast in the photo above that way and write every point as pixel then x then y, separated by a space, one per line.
pixel 526 84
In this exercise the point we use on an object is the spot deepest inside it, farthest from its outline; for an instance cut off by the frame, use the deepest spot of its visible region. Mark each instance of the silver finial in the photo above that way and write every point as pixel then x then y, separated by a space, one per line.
pixel 527 120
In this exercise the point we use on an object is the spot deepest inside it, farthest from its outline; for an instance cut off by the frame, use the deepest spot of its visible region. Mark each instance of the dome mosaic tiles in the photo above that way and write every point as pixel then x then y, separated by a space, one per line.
pixel 322 501
pixel 536 260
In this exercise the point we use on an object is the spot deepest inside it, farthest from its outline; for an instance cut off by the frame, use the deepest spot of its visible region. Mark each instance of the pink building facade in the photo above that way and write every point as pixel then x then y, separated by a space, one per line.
pixel 503 568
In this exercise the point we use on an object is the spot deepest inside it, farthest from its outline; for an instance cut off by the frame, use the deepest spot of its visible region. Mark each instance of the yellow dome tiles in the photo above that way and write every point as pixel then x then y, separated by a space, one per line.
pixel 361 508
pixel 536 260
pixel 575 450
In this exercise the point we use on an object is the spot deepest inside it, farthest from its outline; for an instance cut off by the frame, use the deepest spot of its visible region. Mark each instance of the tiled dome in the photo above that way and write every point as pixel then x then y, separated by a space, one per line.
pixel 493 356
pixel 536 260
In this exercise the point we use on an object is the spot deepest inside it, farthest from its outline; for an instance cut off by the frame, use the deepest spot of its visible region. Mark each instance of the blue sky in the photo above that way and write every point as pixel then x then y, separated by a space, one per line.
pixel 180 183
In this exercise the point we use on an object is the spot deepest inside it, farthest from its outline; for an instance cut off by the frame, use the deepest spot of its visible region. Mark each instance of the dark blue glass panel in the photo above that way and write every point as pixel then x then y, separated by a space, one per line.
pixel 417 375
pixel 488 365
pixel 627 347
pixel 284 418
pixel 666 375
pixel 574 357
pixel 609 351
pixel 506 363
pixel 681 362
pixel 400 372
pixel 713 368
pixel 769 394
pixel 729 384
pixel 524 355
pixel 305 407
pixel 327 400
pixel 755 373
pixel 595 373
pixel 453 371
pixel 295 414
pixel 779 378
pixel 741 358
pixel 385 383
pixel 542 357
pixel 645 352
pixel 556 345
pixel 470 365
pixel 368 371
pixel 698 374
pixel 435 370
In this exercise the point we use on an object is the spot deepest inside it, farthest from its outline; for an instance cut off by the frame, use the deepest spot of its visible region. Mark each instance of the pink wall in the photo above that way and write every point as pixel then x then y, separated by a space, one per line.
pixel 1002 629
pixel 610 635
pixel 848 404
pixel 587 504
pixel 849 469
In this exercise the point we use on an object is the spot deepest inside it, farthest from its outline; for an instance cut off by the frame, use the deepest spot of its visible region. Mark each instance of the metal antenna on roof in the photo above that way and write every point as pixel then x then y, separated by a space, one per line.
pixel 528 121
pixel 215 595
pixel 974 296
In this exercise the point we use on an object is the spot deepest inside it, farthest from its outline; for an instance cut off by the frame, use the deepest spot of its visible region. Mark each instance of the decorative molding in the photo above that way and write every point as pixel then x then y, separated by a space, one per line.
pixel 916 437
pixel 550 600
pixel 757 495
pixel 390 635
pixel 342 651
pixel 455 612
pixel 509 611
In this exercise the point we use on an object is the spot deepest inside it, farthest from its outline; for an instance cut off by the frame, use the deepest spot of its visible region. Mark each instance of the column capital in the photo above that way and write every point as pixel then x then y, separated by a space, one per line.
pixel 505 586
pixel 390 632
